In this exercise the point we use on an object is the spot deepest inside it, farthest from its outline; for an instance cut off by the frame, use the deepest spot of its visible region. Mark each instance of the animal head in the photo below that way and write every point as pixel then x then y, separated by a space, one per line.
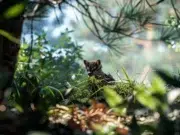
pixel 93 66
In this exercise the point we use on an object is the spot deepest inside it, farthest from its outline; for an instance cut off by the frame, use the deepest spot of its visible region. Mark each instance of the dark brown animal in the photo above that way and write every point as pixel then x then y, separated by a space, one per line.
pixel 94 68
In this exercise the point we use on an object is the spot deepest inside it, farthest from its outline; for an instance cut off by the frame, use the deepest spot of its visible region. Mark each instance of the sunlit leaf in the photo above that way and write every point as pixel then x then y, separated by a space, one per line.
pixel 9 36
pixel 112 97
pixel 14 10
pixel 19 108
pixel 148 100
pixel 24 46
pixel 23 59
pixel 126 75
pixel 158 86
pixel 120 109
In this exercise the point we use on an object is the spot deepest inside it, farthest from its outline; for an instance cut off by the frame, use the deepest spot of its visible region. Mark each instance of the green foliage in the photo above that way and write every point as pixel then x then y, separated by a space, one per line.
pixel 79 93
pixel 172 21
pixel 86 89
pixel 112 97
pixel 173 24
pixel 125 88
pixel 44 72
pixel 153 97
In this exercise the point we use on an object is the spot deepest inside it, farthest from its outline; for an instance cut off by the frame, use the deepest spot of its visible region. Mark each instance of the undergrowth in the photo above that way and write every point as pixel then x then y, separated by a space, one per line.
pixel 91 88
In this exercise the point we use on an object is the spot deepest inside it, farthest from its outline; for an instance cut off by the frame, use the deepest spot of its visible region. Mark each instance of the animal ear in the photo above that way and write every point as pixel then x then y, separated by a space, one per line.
pixel 98 62
pixel 85 62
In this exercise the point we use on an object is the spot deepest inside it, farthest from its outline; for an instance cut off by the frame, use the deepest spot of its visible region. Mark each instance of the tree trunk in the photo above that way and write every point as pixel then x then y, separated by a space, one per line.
pixel 8 49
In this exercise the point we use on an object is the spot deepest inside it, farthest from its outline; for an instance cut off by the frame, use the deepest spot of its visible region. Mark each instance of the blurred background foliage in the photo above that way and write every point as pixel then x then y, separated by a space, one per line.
pixel 137 52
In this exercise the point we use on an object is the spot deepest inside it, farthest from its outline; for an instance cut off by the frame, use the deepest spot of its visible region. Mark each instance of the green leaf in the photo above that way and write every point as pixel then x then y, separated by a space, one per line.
pixel 14 10
pixel 24 46
pixel 148 100
pixel 158 86
pixel 122 110
pixel 49 90
pixel 23 59
pixel 18 107
pixel 112 97
pixel 57 90
pixel 9 36
pixel 126 75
